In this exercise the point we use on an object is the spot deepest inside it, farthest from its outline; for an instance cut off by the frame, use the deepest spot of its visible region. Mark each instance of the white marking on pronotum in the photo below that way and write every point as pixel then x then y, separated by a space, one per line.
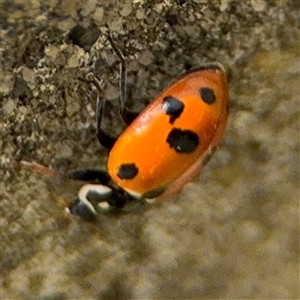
pixel 97 188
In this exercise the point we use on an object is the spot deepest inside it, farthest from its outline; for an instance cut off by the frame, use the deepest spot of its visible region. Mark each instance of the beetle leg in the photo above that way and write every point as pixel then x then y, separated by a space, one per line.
pixel 90 175
pixel 105 139
pixel 127 115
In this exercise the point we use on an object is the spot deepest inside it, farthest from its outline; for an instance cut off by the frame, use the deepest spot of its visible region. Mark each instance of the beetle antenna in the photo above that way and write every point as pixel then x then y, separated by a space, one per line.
pixel 36 168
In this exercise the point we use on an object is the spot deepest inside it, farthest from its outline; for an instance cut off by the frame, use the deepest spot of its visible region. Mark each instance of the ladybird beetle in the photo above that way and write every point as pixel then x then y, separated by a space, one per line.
pixel 162 148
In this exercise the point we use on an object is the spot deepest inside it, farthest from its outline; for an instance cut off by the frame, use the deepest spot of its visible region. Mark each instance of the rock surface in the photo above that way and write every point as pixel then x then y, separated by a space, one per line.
pixel 231 234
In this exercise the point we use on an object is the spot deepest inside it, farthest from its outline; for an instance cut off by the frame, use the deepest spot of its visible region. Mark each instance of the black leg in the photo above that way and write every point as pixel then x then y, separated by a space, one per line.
pixel 123 73
pixel 127 116
pixel 90 175
pixel 105 139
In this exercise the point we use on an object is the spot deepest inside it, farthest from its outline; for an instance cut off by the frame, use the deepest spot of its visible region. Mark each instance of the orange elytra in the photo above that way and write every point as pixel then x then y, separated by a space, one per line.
pixel 175 132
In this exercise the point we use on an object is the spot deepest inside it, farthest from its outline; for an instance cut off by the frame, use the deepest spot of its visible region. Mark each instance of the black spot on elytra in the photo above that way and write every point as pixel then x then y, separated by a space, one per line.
pixel 183 141
pixel 172 107
pixel 207 95
pixel 127 171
